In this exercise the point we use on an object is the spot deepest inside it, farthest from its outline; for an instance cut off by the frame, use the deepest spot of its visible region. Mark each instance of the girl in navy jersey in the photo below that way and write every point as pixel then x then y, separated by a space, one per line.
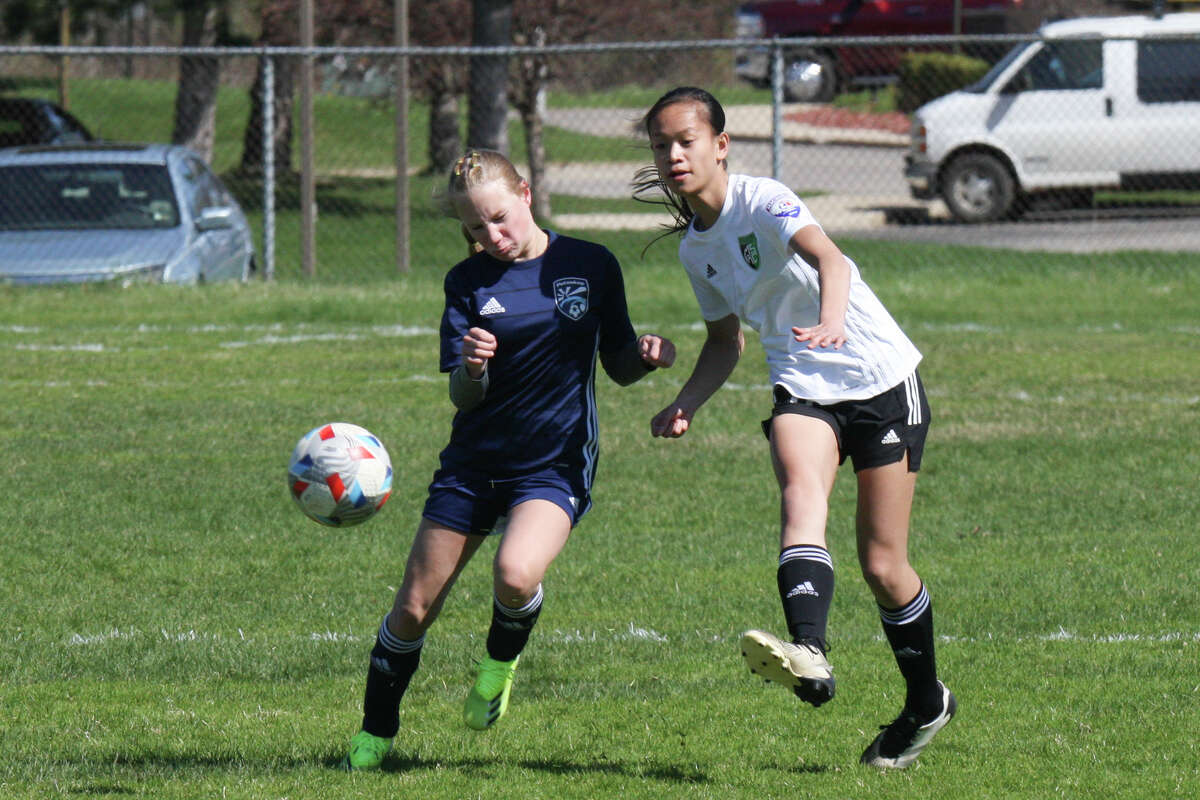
pixel 526 316
pixel 845 383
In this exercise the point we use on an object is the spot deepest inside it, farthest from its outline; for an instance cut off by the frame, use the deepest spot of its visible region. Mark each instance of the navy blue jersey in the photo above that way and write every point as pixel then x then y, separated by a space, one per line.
pixel 550 316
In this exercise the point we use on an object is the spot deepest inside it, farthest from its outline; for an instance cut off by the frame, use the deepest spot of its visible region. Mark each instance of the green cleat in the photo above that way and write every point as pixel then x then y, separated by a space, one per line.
pixel 367 751
pixel 488 699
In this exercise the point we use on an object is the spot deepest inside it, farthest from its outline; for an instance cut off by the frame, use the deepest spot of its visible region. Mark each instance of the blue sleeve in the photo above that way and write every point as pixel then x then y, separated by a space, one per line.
pixel 456 320
pixel 616 331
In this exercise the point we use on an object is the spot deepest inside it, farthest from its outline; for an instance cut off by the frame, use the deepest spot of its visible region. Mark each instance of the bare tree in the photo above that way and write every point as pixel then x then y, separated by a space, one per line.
pixel 560 21
pixel 199 78
pixel 487 124
pixel 440 80
pixel 279 27
pixel 529 98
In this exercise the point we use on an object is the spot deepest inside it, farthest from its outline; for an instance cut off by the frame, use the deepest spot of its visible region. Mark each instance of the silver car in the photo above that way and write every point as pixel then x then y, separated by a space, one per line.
pixel 125 212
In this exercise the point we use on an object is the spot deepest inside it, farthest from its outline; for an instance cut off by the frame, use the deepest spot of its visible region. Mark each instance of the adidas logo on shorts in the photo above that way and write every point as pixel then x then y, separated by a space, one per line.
pixel 890 437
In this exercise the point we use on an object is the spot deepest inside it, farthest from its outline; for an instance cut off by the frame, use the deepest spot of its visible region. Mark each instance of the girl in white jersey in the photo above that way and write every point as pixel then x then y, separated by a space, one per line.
pixel 845 384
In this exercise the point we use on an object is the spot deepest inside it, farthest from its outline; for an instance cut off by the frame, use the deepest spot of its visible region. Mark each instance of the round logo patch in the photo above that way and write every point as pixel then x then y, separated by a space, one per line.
pixel 785 205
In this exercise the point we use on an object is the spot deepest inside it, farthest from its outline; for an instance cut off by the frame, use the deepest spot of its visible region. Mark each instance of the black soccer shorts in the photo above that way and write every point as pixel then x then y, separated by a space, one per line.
pixel 873 432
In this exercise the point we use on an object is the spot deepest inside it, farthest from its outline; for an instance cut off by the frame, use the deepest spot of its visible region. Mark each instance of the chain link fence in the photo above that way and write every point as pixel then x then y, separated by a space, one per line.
pixel 1081 145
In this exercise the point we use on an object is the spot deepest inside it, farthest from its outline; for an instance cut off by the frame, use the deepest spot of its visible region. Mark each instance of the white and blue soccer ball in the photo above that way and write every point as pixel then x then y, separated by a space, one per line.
pixel 340 474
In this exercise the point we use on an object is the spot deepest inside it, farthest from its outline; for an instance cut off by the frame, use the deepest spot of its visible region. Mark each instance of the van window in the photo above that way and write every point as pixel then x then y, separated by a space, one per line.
pixel 1168 71
pixel 1062 65
pixel 981 85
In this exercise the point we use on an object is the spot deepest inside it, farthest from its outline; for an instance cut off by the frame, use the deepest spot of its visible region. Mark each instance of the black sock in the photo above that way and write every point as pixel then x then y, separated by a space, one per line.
pixel 393 662
pixel 511 626
pixel 909 630
pixel 805 579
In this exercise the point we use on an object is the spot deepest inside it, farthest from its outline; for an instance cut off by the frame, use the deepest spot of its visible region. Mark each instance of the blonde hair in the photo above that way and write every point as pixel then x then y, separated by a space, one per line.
pixel 478 167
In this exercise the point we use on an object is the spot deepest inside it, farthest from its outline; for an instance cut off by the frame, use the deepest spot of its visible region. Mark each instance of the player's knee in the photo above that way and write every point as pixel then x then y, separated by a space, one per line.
pixel 803 496
pixel 515 584
pixel 411 616
pixel 884 573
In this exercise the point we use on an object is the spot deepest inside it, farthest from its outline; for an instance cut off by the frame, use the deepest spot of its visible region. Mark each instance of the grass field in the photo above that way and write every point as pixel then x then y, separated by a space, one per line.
pixel 174 628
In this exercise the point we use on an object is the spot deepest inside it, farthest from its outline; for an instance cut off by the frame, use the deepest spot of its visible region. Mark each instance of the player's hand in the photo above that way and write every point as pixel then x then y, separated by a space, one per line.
pixel 671 423
pixel 478 345
pixel 822 334
pixel 657 351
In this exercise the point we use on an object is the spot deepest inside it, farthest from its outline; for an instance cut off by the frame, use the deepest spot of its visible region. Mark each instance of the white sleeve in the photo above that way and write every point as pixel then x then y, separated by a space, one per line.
pixel 779 213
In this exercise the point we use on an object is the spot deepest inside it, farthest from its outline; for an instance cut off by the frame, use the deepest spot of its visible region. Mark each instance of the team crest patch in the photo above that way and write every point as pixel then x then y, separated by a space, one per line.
pixel 748 245
pixel 785 205
pixel 571 297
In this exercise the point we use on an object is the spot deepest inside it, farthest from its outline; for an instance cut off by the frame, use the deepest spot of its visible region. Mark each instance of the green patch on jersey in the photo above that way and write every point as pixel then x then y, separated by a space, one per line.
pixel 748 244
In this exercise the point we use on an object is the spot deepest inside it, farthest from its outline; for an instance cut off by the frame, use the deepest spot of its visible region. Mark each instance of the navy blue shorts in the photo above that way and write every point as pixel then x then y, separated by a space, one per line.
pixel 473 503
pixel 874 432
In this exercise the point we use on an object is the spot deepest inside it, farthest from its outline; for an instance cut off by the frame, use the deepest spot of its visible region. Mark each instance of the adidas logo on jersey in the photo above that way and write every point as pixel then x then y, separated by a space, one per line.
pixel 803 588
pixel 709 271
pixel 890 437
pixel 491 308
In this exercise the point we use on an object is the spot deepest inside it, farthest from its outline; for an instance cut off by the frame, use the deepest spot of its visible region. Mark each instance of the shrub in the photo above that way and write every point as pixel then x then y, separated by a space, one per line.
pixel 924 76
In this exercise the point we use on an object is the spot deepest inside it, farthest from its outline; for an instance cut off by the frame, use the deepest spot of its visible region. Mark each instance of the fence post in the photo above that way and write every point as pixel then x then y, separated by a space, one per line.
pixel 402 200
pixel 268 171
pixel 776 110
pixel 308 192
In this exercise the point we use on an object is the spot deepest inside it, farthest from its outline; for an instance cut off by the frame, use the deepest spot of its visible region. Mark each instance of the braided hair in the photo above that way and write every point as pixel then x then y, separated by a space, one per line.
pixel 478 167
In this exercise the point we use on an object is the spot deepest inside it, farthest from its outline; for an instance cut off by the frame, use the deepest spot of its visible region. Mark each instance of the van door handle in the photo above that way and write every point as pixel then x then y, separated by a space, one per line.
pixel 1108 106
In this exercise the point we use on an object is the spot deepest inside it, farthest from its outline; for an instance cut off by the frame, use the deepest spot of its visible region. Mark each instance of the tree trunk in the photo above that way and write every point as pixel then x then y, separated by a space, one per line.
pixel 445 141
pixel 536 144
pixel 487 126
pixel 199 77
pixel 530 99
pixel 252 150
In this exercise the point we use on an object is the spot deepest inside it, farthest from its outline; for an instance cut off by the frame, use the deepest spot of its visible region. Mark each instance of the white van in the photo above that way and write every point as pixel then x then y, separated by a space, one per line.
pixel 1101 102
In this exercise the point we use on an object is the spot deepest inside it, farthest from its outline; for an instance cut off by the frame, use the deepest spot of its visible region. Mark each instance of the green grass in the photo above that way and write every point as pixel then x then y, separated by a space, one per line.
pixel 350 133
pixel 174 628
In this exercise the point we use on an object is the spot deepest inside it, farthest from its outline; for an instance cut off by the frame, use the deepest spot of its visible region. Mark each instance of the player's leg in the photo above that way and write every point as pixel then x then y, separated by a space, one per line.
pixel 885 495
pixel 536 533
pixel 805 454
pixel 437 557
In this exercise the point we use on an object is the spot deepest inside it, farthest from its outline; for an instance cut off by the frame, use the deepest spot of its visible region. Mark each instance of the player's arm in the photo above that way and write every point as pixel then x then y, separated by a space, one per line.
pixel 638 358
pixel 469 380
pixel 722 348
pixel 816 248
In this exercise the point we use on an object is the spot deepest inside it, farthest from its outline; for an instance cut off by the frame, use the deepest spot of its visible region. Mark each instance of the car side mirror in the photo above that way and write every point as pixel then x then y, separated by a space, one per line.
pixel 215 218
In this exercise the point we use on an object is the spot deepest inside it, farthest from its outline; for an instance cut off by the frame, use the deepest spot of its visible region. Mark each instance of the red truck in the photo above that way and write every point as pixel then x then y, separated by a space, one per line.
pixel 816 73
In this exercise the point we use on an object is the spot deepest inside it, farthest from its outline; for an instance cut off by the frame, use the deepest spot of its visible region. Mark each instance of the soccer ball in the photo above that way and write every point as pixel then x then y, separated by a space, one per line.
pixel 340 474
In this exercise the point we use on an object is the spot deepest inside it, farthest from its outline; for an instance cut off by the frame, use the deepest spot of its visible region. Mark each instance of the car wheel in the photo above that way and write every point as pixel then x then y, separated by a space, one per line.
pixel 809 77
pixel 978 187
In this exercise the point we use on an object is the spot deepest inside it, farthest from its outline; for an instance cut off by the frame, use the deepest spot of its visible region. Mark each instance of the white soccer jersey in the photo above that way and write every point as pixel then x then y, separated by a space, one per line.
pixel 743 265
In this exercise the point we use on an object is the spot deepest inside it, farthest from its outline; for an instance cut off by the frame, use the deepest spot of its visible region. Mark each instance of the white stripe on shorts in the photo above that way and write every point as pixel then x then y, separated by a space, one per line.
pixel 913 396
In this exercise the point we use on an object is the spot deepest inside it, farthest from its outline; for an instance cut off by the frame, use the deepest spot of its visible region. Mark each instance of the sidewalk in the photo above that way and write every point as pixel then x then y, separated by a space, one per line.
pixel 801 123
pixel 805 123
pixel 837 213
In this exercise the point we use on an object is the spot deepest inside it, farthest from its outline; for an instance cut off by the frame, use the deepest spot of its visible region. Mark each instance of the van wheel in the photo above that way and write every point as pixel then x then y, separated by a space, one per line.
pixel 978 187
pixel 809 77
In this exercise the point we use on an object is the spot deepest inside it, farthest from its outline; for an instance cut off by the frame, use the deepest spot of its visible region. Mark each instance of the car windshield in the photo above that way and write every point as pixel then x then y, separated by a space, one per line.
pixel 86 197
pixel 980 86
